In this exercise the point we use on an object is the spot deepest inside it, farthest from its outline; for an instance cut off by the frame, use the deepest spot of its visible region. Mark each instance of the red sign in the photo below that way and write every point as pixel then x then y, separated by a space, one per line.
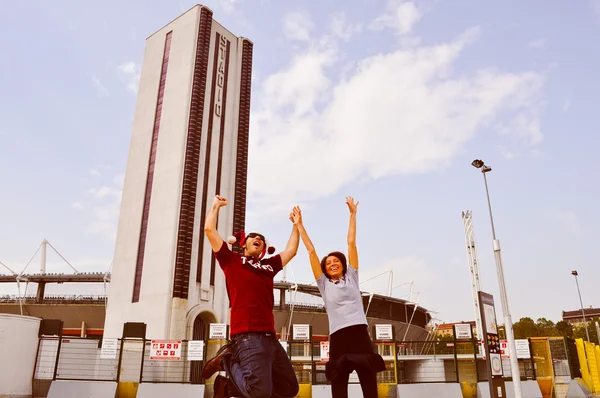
pixel 324 351
pixel 165 350
pixel 504 351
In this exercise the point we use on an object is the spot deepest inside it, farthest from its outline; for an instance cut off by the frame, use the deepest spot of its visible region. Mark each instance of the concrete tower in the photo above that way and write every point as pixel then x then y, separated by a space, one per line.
pixel 189 142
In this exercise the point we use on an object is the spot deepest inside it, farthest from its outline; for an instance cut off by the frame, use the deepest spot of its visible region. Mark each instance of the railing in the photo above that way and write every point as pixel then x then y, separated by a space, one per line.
pixel 80 360
pixel 74 299
pixel 130 360
pixel 136 360
pixel 167 371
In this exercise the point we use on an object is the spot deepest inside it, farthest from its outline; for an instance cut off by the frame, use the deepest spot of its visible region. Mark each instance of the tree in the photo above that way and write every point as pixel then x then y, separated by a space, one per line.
pixel 525 328
pixel 447 337
pixel 564 328
pixel 546 328
pixel 579 332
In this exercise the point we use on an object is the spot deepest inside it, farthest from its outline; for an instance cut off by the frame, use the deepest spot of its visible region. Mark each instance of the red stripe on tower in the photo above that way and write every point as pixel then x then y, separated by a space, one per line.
pixel 213 93
pixel 241 164
pixel 221 111
pixel 137 283
pixel 187 210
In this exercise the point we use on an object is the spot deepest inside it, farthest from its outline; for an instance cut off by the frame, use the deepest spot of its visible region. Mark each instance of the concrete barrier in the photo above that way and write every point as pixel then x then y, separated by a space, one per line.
pixel 578 389
pixel 433 390
pixel 82 389
pixel 18 341
pixel 324 391
pixel 161 390
pixel 529 388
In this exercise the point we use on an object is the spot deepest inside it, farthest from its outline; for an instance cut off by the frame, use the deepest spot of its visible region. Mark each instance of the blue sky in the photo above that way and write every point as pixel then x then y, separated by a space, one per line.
pixel 388 101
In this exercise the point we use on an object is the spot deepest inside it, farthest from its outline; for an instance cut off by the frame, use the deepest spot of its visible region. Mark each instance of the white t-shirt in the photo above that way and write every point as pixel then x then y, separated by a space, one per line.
pixel 343 300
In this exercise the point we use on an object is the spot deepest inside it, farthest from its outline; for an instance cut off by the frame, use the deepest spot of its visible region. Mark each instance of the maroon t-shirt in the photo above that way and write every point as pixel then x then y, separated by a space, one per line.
pixel 250 287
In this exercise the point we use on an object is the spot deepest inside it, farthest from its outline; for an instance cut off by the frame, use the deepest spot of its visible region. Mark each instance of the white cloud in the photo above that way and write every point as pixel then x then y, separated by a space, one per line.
pixel 566 106
pixel 400 16
pixel 131 72
pixel 538 44
pixel 119 180
pixel 104 203
pixel 95 173
pixel 524 126
pixel 77 205
pixel 402 112
pixel 297 26
pixel 506 154
pixel 100 89
pixel 103 191
pixel 228 5
pixel 341 29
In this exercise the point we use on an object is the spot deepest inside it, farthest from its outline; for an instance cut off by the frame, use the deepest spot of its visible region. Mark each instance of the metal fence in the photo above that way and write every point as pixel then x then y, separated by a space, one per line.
pixel 427 362
pixel 130 360
pixel 166 371
pixel 574 366
pixel 82 359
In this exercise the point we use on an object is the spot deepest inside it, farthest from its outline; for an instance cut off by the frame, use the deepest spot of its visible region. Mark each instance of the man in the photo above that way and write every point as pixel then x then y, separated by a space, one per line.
pixel 255 361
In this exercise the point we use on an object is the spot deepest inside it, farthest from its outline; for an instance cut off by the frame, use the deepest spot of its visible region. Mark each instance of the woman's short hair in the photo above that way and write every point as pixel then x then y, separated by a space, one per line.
pixel 340 256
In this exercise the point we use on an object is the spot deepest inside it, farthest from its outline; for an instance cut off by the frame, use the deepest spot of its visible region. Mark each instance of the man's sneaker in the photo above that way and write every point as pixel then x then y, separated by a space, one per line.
pixel 220 387
pixel 215 364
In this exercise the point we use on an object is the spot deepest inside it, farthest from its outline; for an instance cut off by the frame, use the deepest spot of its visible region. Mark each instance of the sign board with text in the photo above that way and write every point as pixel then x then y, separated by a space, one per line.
pixel 109 349
pixel 492 344
pixel 195 351
pixel 522 346
pixel 324 351
pixel 218 331
pixel 384 332
pixel 462 331
pixel 301 332
pixel 165 350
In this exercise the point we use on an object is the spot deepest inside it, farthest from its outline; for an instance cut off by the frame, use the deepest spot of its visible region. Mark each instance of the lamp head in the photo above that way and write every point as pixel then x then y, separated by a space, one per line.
pixel 478 163
pixel 574 273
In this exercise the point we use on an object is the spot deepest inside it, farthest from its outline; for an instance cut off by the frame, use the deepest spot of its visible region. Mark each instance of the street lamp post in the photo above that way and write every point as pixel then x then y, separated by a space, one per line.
pixel 575 274
pixel 514 363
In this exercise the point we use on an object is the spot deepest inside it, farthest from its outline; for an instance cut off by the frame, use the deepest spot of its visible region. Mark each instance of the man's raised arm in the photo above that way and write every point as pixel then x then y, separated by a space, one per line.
pixel 292 246
pixel 210 225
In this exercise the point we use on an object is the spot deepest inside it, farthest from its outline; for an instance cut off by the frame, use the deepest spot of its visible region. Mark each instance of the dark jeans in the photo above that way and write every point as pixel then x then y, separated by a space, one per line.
pixel 259 367
pixel 351 349
pixel 366 375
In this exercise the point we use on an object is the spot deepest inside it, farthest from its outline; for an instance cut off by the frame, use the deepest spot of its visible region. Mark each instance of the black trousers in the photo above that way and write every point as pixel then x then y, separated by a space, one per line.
pixel 351 349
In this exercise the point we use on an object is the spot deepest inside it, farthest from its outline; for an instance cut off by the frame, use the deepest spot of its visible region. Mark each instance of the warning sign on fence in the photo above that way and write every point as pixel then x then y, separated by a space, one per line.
pixel 165 350
pixel 109 349
pixel 195 350
pixel 522 346
pixel 218 331
pixel 324 351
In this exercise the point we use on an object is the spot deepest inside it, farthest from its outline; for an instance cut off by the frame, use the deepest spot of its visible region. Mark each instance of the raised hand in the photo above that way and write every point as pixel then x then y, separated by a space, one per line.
pixel 352 206
pixel 219 201
pixel 296 216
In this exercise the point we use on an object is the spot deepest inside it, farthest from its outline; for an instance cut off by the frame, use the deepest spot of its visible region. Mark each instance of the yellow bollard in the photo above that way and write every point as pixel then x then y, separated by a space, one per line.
pixel 127 389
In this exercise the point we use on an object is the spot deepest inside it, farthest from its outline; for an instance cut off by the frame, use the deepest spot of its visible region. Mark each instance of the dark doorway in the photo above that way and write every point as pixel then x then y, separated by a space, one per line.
pixel 199 332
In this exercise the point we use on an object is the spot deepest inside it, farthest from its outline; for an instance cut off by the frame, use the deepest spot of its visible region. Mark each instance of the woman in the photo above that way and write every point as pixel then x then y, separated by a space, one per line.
pixel 350 347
